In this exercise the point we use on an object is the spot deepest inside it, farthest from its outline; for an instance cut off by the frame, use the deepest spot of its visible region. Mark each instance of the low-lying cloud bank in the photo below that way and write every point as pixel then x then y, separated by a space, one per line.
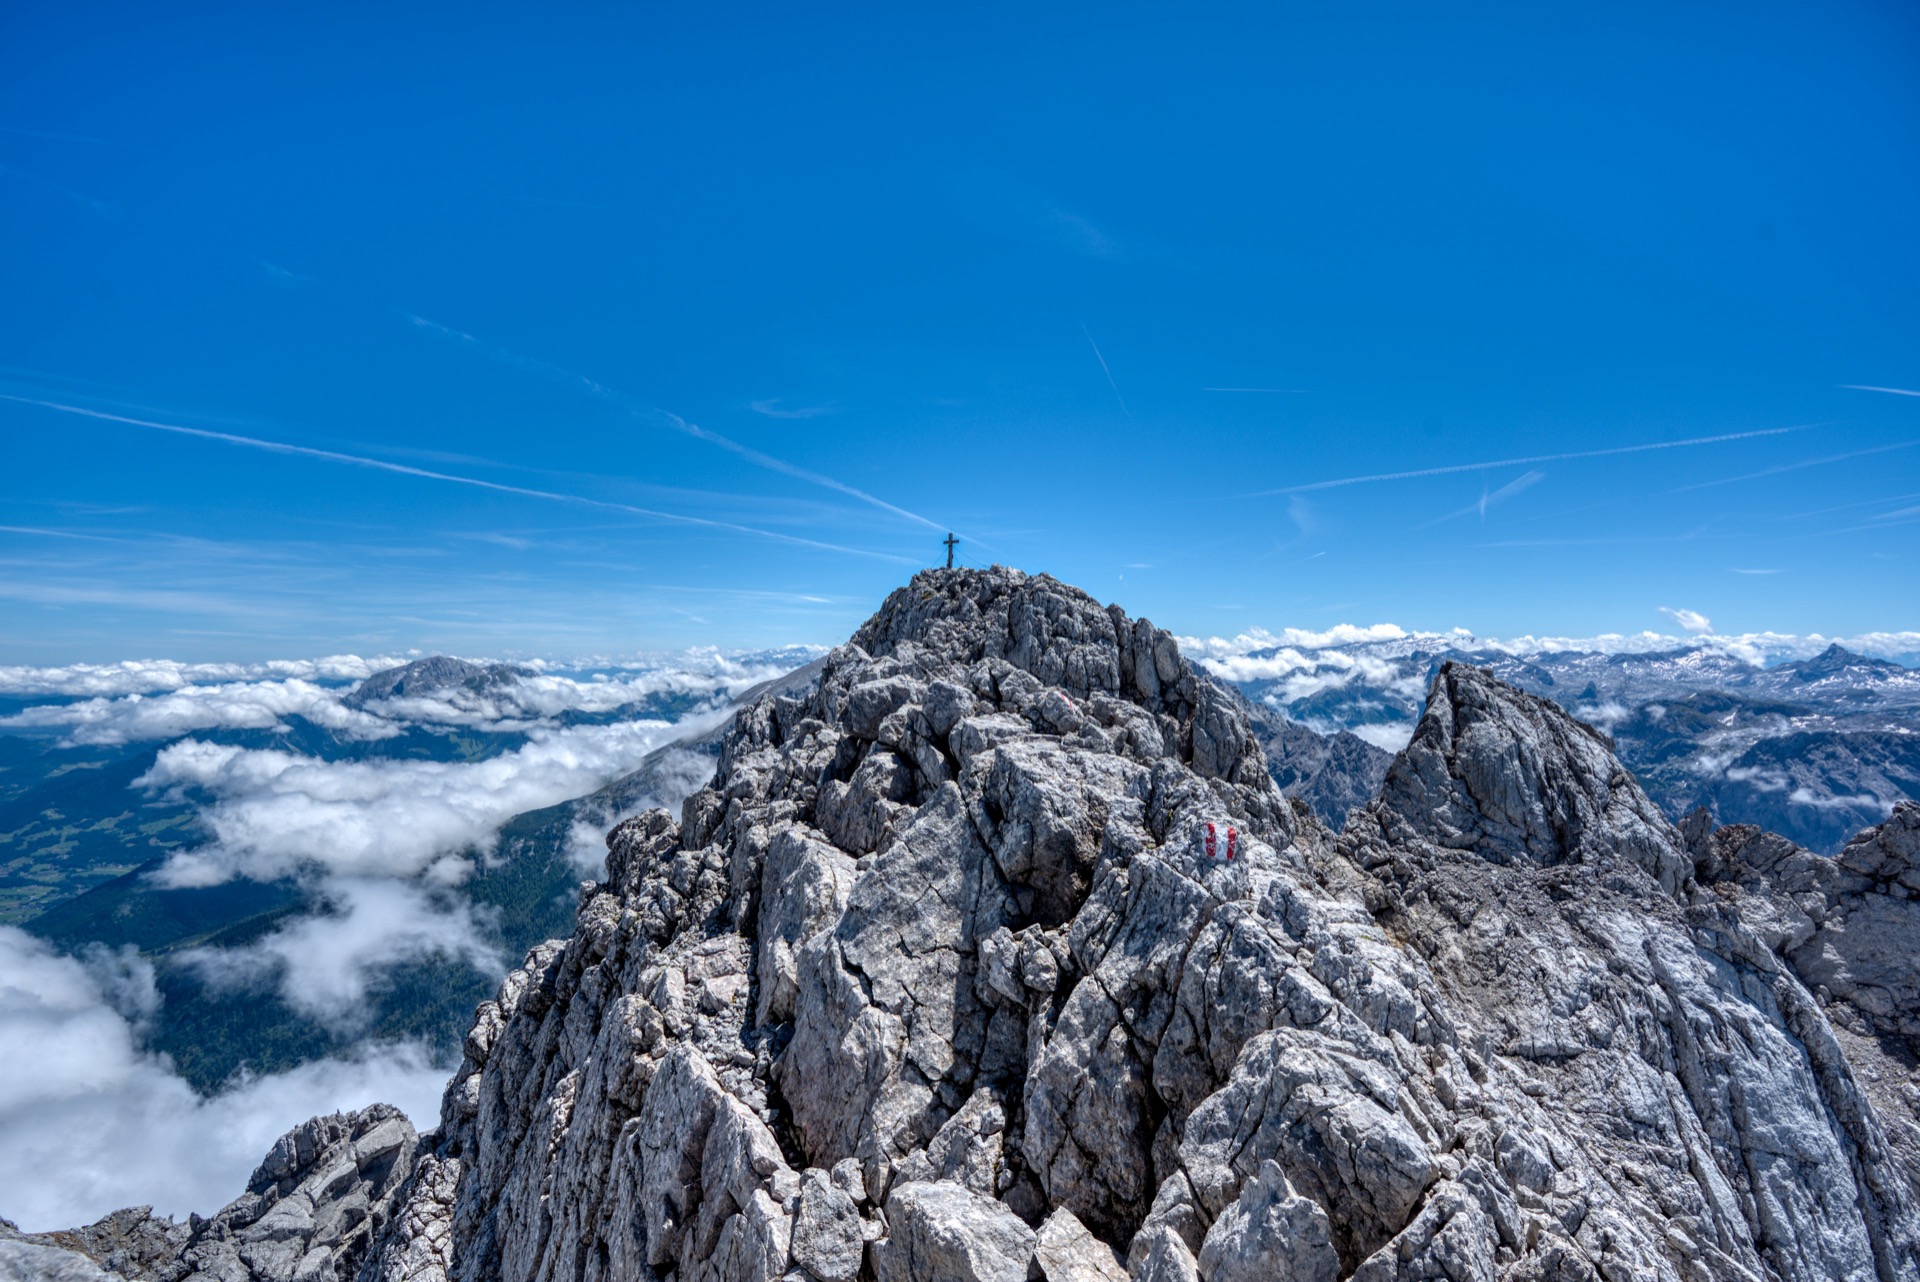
pixel 381 843
pixel 324 963
pixel 1761 649
pixel 90 1123
pixel 146 676
pixel 277 814
pixel 258 705
pixel 155 700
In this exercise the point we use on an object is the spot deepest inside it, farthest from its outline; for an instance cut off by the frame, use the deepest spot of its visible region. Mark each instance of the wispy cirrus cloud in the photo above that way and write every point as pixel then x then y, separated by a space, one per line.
pixel 1486 501
pixel 774 407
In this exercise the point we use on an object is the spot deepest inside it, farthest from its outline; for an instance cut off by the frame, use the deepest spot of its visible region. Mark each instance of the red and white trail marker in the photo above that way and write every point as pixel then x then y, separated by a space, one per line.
pixel 1213 842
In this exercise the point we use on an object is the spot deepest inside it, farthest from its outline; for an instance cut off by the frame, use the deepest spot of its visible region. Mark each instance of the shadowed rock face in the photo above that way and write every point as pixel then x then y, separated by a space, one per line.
pixel 935 981
pixel 1332 773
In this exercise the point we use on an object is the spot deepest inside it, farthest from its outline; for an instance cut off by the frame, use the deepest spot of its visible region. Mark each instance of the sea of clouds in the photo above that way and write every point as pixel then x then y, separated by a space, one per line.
pixel 89 1121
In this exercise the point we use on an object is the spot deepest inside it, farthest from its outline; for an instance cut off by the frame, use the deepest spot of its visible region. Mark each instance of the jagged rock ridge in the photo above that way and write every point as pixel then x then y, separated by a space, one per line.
pixel 935 980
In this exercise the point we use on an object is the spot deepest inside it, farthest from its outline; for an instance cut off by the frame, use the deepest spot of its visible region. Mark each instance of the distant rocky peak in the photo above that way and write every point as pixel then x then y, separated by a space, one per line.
pixel 433 674
pixel 1514 779
pixel 1836 660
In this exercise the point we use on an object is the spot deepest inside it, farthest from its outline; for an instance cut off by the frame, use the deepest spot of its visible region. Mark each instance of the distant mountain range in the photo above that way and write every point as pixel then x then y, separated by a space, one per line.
pixel 1815 749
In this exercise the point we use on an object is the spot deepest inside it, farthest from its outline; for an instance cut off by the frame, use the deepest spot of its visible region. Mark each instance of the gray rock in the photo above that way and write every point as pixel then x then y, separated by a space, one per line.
pixel 1332 773
pixel 941 1232
pixel 312 1211
pixel 942 935
pixel 31 1262
pixel 1067 1252
pixel 1270 1231
pixel 827 1241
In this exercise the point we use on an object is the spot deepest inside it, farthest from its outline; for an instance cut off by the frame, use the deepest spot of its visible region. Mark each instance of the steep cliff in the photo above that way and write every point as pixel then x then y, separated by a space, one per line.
pixel 937 979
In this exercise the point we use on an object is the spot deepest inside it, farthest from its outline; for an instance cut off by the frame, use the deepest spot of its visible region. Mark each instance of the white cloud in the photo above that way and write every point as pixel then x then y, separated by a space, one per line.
pixel 1804 796
pixel 1302 674
pixel 142 676
pixel 275 814
pixel 1691 620
pixel 161 699
pixel 1756 648
pixel 680 772
pixel 1297 638
pixel 1605 715
pixel 1392 737
pixel 323 963
pixel 1761 778
pixel 531 700
pixel 258 705
pixel 90 1123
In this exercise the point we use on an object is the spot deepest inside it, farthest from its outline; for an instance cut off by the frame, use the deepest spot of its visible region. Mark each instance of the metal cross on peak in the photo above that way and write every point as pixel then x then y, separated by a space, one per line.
pixel 950 541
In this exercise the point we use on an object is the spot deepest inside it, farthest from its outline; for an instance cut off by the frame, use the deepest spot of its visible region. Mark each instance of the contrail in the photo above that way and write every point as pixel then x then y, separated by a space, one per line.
pixel 1793 467
pixel 78 197
pixel 1104 370
pixel 79 138
pixel 1536 458
pixel 605 393
pixel 781 465
pixel 1891 391
pixel 356 460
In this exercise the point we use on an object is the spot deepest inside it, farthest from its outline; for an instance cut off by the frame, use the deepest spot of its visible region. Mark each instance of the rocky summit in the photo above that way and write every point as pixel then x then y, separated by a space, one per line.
pixel 940 979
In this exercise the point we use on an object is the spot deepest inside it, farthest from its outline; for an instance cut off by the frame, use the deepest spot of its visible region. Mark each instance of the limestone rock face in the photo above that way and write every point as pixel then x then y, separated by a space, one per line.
pixel 935 981
pixel 311 1213
pixel 1849 929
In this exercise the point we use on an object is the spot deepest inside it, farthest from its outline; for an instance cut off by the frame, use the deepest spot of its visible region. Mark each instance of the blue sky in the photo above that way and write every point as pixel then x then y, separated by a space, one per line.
pixel 734 310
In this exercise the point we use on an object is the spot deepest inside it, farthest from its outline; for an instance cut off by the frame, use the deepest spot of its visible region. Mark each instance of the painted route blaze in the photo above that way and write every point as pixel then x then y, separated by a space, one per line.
pixel 1214 842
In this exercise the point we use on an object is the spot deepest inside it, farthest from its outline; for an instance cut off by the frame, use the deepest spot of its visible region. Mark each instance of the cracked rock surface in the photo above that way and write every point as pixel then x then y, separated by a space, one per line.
pixel 935 981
